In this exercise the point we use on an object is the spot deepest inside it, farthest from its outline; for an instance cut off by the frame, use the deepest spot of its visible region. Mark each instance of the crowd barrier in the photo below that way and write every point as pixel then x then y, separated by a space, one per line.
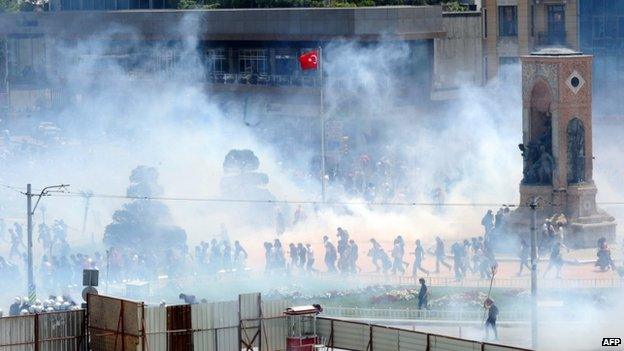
pixel 249 324
pixel 54 331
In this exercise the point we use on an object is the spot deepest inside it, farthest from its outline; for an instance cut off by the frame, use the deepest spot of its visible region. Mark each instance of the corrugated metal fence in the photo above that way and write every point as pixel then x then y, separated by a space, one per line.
pixel 215 326
pixel 115 324
pixel 366 337
pixel 56 331
pixel 125 325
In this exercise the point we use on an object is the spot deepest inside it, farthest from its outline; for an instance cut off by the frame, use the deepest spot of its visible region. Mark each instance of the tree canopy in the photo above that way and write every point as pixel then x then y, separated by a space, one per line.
pixel 144 225
pixel 449 5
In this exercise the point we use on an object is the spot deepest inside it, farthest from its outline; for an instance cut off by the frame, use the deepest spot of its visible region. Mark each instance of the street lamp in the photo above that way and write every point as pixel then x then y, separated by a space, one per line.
pixel 32 291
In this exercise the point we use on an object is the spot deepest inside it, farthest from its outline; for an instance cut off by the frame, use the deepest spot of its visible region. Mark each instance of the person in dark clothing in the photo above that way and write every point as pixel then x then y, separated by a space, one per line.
pixel 423 294
pixel 458 260
pixel 294 255
pixel 440 255
pixel 419 256
pixel 488 222
pixel 523 254
pixel 330 255
pixel 604 256
pixel 398 251
pixel 188 299
pixel 373 253
pixel 498 220
pixel 240 255
pixel 353 256
pixel 556 259
pixel 490 322
pixel 343 240
pixel 279 257
pixel 301 252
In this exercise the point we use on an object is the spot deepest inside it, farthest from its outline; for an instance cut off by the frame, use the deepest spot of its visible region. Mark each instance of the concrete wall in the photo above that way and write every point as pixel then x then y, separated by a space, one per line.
pixel 459 56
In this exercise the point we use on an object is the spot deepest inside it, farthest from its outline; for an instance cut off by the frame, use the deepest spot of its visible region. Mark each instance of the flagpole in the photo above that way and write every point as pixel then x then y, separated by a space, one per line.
pixel 322 117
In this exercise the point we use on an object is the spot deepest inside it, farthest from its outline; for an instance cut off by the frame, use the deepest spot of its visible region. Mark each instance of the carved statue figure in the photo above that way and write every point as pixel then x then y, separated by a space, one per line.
pixel 545 166
pixel 576 151
pixel 539 163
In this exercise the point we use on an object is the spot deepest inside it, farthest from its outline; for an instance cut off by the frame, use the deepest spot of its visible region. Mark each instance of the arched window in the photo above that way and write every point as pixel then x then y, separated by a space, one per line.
pixel 539 162
pixel 541 123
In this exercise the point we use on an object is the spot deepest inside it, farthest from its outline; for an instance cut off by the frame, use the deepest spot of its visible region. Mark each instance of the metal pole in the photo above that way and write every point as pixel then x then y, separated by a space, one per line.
pixel 6 73
pixel 87 197
pixel 108 252
pixel 322 116
pixel 32 294
pixel 534 319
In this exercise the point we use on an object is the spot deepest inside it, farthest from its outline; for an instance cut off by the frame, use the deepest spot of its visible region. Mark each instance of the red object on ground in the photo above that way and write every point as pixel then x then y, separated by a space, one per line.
pixel 304 343
pixel 309 60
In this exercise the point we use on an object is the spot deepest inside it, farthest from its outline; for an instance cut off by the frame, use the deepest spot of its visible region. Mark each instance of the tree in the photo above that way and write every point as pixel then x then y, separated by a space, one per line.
pixel 448 5
pixel 144 225
pixel 240 161
pixel 198 4
pixel 242 181
pixel 8 6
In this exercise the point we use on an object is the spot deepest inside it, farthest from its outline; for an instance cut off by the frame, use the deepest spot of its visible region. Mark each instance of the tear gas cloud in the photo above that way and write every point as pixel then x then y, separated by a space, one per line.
pixel 466 148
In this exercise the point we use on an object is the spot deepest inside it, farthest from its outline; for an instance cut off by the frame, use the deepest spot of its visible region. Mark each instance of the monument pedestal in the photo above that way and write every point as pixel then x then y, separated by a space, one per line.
pixel 586 222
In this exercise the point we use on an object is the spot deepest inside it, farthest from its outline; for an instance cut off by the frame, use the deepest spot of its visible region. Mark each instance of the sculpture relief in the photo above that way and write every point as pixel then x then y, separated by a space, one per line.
pixel 539 164
pixel 576 151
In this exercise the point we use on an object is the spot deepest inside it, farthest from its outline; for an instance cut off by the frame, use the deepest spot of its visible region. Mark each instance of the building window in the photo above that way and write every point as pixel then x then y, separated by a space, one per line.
pixel 532 20
pixel 139 4
pixel 285 62
pixel 218 62
pixel 485 26
pixel 26 59
pixel 611 29
pixel 599 27
pixel 87 5
pixel 253 61
pixel 69 5
pixel 508 21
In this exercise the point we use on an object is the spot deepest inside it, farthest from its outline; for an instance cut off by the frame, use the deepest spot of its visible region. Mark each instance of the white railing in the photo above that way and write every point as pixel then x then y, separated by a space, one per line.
pixel 423 314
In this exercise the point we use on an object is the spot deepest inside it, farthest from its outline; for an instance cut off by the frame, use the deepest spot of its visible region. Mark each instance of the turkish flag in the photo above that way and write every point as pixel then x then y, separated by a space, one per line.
pixel 308 60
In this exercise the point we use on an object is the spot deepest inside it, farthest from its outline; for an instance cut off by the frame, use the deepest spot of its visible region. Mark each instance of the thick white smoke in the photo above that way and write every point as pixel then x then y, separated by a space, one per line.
pixel 466 147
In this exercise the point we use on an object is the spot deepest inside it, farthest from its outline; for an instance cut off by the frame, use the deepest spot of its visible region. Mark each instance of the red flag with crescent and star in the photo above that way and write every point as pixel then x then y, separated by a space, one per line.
pixel 308 60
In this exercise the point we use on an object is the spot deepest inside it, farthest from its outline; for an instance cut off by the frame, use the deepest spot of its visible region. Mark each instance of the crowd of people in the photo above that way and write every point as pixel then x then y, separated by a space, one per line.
pixel 61 267
pixel 469 256
pixel 474 256
pixel 216 256
pixel 22 305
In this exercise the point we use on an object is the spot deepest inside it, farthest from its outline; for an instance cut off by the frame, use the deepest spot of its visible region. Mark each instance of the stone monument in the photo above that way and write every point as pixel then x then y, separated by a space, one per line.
pixel 557 143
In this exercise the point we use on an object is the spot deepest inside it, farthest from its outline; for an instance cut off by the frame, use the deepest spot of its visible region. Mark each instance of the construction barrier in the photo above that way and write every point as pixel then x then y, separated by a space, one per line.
pixel 248 324
pixel 54 331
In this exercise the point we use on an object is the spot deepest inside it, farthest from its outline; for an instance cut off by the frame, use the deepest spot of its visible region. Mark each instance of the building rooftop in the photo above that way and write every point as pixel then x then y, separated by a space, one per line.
pixel 283 24
pixel 556 51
